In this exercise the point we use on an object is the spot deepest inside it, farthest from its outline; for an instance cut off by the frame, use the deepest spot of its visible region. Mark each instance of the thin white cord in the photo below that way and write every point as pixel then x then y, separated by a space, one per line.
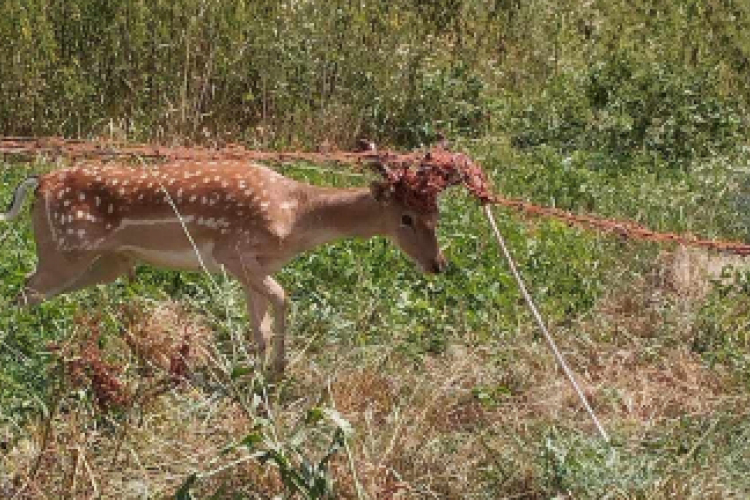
pixel 540 322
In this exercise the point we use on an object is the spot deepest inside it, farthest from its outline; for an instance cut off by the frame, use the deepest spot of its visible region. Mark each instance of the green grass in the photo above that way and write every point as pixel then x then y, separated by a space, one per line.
pixel 635 111
pixel 444 380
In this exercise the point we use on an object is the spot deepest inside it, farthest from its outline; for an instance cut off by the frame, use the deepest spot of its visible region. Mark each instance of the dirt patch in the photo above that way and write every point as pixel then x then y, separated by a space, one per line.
pixel 693 272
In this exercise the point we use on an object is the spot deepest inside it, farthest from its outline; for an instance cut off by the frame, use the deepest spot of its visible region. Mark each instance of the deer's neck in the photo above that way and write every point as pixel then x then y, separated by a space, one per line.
pixel 331 214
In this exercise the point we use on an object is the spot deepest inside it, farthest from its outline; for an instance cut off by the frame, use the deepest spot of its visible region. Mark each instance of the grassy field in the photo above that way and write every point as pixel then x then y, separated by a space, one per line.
pixel 401 385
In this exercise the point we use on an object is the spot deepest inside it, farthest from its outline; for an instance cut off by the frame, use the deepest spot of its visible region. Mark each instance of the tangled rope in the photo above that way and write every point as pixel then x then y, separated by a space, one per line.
pixel 436 170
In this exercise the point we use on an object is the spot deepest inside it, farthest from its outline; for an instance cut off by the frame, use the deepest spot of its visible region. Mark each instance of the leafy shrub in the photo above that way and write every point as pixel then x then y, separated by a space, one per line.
pixel 644 112
pixel 442 100
pixel 720 333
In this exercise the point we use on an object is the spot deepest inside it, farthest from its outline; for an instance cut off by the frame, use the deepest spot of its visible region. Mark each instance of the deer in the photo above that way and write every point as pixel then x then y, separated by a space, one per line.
pixel 93 223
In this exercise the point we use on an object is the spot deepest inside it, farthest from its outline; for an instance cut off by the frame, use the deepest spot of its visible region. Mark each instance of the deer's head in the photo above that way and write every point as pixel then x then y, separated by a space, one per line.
pixel 411 194
pixel 412 230
pixel 409 198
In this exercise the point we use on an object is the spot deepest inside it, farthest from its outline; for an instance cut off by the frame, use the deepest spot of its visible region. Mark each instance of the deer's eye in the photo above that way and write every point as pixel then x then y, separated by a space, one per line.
pixel 407 220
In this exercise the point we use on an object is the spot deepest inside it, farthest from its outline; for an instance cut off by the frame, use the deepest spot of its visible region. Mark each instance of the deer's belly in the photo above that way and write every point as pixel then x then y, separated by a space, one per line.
pixel 199 258
pixel 165 244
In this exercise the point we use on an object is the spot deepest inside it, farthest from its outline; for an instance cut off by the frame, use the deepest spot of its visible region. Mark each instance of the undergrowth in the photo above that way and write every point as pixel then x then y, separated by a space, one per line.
pixel 401 385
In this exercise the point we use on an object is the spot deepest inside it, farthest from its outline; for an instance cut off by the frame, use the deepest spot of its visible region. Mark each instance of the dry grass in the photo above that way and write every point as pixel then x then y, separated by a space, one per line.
pixel 466 424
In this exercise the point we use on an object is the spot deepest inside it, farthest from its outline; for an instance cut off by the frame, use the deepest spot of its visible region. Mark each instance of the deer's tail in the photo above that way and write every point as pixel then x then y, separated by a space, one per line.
pixel 18 196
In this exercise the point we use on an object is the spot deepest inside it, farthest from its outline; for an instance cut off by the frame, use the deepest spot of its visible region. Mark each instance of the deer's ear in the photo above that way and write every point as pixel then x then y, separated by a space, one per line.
pixel 381 191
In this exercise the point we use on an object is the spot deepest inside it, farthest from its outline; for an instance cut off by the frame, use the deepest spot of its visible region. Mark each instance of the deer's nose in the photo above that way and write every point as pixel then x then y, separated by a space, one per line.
pixel 438 265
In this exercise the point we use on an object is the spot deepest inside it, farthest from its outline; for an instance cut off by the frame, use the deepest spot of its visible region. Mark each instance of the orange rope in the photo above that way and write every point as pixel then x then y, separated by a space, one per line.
pixel 441 167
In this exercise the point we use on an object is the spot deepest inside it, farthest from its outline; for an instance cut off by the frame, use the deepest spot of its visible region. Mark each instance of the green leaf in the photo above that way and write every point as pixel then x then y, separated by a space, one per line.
pixel 239 371
pixel 252 439
pixel 184 492
pixel 314 415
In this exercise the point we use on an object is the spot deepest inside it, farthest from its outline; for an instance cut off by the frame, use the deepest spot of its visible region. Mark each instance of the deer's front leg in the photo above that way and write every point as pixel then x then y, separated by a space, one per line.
pixel 261 285
pixel 261 291
pixel 260 320
pixel 274 293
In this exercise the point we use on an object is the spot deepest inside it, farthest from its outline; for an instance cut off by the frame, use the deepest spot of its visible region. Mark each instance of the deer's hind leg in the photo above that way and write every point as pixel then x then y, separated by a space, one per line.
pixel 57 276
pixel 53 275
pixel 62 270
pixel 106 268
pixel 56 267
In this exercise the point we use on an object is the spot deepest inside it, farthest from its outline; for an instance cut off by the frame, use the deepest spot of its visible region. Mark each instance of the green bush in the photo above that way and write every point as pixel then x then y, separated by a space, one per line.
pixel 720 333
pixel 450 100
pixel 633 112
pixel 281 74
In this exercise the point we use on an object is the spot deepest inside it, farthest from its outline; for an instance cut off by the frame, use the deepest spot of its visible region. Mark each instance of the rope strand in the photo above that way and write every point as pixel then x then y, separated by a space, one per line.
pixel 438 159
pixel 542 326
